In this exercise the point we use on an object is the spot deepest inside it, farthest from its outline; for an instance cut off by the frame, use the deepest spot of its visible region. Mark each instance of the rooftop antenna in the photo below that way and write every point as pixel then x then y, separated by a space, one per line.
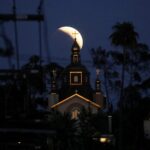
pixel 40 30
pixel 41 11
pixel 46 37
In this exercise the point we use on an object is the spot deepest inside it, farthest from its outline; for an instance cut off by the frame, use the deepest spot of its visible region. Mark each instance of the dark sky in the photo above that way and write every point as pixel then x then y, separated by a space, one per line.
pixel 93 18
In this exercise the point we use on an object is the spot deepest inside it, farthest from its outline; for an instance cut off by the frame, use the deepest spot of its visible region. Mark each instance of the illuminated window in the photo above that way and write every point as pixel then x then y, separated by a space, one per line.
pixel 76 79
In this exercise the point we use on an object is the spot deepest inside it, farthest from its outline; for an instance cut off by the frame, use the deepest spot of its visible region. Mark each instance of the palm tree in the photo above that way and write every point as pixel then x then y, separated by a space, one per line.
pixel 139 66
pixel 125 37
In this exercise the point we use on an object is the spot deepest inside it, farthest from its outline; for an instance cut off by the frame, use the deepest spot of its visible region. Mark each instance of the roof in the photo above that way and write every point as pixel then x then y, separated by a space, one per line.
pixel 76 95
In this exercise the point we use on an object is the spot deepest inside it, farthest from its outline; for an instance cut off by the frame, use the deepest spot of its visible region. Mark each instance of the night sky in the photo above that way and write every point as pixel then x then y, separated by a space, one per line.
pixel 93 18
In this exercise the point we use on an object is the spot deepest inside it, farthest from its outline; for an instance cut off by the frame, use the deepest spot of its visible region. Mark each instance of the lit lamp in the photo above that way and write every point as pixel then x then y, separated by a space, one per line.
pixel 103 139
pixel 108 138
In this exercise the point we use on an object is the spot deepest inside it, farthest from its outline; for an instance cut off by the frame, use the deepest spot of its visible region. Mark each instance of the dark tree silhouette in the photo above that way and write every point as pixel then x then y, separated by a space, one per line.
pixel 130 71
pixel 125 37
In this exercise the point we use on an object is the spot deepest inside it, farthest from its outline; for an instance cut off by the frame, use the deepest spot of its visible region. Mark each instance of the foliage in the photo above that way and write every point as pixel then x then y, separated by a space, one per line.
pixel 65 128
pixel 129 68
pixel 91 126
pixel 124 35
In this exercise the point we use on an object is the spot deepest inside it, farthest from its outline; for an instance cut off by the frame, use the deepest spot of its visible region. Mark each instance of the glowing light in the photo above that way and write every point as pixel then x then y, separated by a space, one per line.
pixel 103 139
pixel 73 33
pixel 19 142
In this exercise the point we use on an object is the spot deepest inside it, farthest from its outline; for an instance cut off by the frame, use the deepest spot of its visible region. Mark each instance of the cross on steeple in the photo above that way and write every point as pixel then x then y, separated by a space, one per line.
pixel 75 33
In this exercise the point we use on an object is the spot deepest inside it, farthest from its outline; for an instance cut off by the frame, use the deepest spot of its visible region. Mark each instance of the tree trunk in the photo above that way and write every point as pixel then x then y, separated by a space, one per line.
pixel 106 87
pixel 122 79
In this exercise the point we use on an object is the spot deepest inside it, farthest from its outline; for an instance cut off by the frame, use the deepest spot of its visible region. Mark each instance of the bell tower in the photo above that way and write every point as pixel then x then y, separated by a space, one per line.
pixel 98 95
pixel 75 76
pixel 75 56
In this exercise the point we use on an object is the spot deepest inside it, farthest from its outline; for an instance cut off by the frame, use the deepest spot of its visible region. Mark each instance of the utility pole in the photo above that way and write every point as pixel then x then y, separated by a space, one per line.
pixel 40 34
pixel 16 35
pixel 22 17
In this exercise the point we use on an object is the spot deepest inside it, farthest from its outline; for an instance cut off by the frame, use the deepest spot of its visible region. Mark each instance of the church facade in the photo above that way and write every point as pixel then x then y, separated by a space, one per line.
pixel 75 91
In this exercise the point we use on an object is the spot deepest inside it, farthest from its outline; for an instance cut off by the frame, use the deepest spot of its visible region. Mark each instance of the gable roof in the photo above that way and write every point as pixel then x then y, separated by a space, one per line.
pixel 76 95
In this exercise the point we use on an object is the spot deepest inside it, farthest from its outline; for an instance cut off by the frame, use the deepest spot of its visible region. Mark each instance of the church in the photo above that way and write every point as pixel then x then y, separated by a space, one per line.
pixel 75 91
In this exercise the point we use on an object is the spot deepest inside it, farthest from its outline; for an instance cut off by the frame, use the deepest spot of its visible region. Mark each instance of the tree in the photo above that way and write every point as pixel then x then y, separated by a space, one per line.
pixel 125 37
pixel 65 128
pixel 134 60
pixel 99 57
pixel 90 127
pixel 35 81
pixel 127 72
pixel 101 60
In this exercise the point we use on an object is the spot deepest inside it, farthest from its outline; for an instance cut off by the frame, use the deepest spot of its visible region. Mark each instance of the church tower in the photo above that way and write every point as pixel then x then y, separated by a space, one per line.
pixel 75 56
pixel 76 91
pixel 75 76
pixel 98 95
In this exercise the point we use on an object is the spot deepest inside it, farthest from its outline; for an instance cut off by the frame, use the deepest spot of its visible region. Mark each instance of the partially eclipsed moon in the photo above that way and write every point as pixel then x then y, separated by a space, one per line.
pixel 73 33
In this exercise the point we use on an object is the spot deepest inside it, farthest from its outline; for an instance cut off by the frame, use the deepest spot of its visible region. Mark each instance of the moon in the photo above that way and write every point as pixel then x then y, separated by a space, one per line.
pixel 73 33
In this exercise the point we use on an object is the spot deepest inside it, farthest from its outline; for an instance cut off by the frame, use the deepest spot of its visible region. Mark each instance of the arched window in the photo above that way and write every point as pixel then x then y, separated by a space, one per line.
pixel 75 113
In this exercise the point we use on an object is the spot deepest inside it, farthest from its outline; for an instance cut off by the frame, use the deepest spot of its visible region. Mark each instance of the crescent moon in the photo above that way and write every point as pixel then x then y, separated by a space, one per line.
pixel 73 33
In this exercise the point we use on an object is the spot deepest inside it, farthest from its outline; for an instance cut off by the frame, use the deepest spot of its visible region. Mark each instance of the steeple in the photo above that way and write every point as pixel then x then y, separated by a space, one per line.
pixel 98 96
pixel 53 96
pixel 53 82
pixel 75 56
